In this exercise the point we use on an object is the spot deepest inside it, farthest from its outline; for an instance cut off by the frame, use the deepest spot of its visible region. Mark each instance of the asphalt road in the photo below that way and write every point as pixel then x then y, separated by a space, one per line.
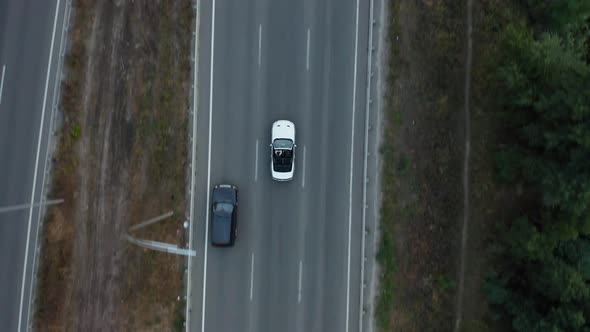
pixel 296 263
pixel 26 96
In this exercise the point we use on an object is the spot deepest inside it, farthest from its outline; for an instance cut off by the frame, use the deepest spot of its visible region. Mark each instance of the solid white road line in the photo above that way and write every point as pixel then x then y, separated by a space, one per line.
pixel 193 167
pixel 300 276
pixel 2 82
pixel 307 54
pixel 252 277
pixel 356 41
pixel 22 292
pixel 303 171
pixel 56 89
pixel 259 43
pixel 256 163
pixel 208 166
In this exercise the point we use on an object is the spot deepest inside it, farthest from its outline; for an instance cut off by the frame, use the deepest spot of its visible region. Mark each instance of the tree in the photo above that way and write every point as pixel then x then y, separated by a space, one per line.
pixel 541 287
pixel 546 103
pixel 542 281
pixel 558 15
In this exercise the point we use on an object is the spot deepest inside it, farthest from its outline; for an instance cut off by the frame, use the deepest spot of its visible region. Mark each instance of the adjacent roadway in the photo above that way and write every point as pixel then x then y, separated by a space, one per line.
pixel 296 262
pixel 30 39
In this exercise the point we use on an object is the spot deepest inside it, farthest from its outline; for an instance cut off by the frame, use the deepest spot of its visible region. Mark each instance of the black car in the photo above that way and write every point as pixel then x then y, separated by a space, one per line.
pixel 224 215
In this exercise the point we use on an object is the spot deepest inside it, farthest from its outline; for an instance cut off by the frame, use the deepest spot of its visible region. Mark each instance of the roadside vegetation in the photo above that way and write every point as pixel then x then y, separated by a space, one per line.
pixel 528 248
pixel 541 262
pixel 121 159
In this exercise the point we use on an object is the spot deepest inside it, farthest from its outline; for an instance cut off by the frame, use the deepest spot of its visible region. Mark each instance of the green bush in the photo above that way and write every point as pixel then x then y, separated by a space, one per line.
pixel 75 130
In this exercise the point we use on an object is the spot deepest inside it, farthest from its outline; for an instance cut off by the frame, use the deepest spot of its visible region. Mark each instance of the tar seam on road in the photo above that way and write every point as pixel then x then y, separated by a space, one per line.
pixel 365 179
pixel 2 82
pixel 300 277
pixel 464 232
pixel 252 277
pixel 22 292
pixel 193 167
pixel 203 304
pixel 259 43
pixel 256 163
pixel 307 52
pixel 303 175
pixel 356 41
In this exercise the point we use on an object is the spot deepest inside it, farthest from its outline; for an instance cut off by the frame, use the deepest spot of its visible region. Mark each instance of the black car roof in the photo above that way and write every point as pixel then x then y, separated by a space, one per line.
pixel 221 230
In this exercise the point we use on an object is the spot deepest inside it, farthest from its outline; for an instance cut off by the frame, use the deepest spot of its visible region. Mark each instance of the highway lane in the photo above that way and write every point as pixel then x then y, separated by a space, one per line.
pixel 296 264
pixel 27 28
pixel 330 84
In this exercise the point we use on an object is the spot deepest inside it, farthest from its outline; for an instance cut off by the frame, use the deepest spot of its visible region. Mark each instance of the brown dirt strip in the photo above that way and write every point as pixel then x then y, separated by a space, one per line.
pixel 121 159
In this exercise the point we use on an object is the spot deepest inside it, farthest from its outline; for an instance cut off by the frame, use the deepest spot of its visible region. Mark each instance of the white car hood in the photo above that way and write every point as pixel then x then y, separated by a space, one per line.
pixel 283 129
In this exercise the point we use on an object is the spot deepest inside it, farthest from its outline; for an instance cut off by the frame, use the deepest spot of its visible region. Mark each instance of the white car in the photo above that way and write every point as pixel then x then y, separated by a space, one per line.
pixel 282 148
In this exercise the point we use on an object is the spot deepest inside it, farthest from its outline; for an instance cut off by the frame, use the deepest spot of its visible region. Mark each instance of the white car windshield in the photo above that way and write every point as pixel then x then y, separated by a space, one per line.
pixel 283 143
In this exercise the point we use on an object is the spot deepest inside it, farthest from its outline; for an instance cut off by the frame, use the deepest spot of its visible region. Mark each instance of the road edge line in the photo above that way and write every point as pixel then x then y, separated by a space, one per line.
pixel 208 166
pixel 356 41
pixel 20 311
pixel 56 96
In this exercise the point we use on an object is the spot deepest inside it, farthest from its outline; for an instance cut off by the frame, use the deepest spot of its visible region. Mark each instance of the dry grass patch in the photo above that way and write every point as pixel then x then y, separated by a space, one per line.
pixel 422 154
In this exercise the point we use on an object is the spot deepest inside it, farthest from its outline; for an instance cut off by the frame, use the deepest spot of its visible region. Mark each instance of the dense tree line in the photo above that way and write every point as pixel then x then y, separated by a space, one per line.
pixel 542 279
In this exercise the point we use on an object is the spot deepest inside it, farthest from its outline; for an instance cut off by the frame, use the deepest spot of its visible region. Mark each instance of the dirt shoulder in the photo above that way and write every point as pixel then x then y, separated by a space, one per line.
pixel 424 151
pixel 121 160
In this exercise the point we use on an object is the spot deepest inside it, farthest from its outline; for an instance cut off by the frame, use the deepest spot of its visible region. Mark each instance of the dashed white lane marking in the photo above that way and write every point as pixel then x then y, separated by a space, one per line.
pixel 256 163
pixel 259 44
pixel 303 171
pixel 252 277
pixel 2 82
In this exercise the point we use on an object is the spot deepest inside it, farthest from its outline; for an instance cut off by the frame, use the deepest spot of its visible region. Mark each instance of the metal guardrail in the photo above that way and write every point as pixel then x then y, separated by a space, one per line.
pixel 192 167
pixel 161 246
pixel 156 245
pixel 49 150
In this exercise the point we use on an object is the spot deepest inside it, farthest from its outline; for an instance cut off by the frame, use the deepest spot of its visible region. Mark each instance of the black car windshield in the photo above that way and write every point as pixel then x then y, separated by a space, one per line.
pixel 282 143
pixel 223 208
